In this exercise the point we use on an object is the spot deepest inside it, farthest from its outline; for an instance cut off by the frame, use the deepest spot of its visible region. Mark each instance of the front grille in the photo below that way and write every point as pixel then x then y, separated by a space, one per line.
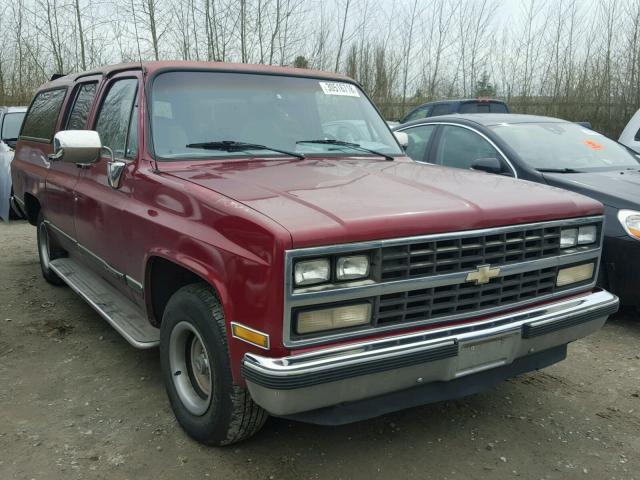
pixel 423 280
pixel 431 303
pixel 435 257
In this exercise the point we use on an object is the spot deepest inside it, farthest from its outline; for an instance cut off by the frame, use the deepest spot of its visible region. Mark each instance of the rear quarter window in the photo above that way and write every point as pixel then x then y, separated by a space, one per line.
pixel 442 109
pixel 40 123
pixel 499 108
pixel 473 107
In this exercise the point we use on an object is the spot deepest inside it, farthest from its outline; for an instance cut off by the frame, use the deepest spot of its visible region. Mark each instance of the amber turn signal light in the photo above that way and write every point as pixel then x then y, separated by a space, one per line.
pixel 249 335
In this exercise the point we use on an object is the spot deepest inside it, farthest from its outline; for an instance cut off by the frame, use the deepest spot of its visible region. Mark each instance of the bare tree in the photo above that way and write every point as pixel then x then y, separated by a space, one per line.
pixel 343 29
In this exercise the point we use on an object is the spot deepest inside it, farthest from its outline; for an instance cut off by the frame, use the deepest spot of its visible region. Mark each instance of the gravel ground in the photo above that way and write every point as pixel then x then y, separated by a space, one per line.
pixel 77 402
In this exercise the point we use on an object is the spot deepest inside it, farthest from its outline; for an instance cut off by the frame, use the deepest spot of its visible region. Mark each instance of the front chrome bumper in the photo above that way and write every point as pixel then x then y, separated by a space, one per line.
pixel 348 373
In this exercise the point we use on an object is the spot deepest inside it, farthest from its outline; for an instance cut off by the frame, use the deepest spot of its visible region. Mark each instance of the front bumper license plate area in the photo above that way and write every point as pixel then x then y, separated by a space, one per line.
pixel 350 373
pixel 477 355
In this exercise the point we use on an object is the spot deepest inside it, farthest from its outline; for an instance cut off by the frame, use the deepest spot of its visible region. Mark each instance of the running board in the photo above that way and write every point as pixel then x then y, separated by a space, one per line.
pixel 123 315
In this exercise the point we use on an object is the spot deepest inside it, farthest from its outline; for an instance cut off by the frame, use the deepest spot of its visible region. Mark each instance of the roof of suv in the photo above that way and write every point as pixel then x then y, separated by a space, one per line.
pixel 464 100
pixel 486 119
pixel 153 67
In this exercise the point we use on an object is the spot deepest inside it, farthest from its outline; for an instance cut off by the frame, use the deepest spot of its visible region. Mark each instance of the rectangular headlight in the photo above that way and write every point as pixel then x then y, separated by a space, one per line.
pixel 331 318
pixel 579 273
pixel 568 237
pixel 587 234
pixel 351 268
pixel 312 272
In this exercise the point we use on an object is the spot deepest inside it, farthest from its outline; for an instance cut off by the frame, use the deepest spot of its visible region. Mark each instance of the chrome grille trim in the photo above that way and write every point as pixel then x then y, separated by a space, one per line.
pixel 369 289
pixel 420 259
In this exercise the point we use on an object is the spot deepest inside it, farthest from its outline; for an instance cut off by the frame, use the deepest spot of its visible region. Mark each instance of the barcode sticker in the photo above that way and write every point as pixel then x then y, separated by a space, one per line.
pixel 339 88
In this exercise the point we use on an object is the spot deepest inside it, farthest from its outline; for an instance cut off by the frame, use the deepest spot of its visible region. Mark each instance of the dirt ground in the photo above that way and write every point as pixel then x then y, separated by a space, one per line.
pixel 77 402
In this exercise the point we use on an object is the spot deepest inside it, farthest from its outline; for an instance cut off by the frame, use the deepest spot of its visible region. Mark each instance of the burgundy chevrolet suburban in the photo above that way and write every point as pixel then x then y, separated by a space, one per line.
pixel 265 229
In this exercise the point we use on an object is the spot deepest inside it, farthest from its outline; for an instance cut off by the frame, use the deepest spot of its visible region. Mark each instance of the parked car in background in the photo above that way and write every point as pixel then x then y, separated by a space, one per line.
pixel 446 107
pixel 630 136
pixel 263 226
pixel 10 122
pixel 554 152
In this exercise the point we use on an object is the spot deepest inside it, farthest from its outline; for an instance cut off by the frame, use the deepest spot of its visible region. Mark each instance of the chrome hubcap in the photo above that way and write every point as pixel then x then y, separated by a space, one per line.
pixel 43 245
pixel 200 363
pixel 190 368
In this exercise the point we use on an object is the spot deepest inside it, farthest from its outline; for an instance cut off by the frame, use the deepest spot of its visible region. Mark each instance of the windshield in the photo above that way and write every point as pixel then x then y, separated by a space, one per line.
pixel 11 124
pixel 564 146
pixel 275 111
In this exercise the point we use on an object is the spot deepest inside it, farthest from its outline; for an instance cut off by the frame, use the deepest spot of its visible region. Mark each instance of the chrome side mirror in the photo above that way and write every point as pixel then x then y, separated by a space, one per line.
pixel 82 147
pixel 402 138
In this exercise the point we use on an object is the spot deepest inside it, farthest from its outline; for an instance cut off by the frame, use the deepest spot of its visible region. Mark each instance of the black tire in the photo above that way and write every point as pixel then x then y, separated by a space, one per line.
pixel 229 414
pixel 47 252
pixel 14 214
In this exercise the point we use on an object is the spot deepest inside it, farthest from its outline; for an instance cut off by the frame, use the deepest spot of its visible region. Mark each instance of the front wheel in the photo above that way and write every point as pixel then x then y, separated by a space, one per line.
pixel 197 374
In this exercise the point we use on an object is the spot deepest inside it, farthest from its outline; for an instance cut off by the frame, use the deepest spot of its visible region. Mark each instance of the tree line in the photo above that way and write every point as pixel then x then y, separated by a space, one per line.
pixel 569 58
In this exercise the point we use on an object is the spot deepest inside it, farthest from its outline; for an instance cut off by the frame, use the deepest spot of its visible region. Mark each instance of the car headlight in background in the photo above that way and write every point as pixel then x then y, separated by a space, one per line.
pixel 312 272
pixel 351 268
pixel 576 274
pixel 630 221
pixel 584 235
pixel 311 321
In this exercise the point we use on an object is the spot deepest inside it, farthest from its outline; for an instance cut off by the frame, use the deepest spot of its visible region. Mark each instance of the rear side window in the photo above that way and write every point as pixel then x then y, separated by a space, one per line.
pixel 41 119
pixel 441 109
pixel 473 107
pixel 499 108
pixel 115 115
pixel 80 112
pixel 11 124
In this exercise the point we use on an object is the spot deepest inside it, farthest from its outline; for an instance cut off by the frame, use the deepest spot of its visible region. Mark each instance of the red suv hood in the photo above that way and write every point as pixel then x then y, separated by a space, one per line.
pixel 328 201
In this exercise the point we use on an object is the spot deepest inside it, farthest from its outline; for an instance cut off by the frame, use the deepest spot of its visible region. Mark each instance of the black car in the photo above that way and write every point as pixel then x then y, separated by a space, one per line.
pixel 554 152
pixel 446 107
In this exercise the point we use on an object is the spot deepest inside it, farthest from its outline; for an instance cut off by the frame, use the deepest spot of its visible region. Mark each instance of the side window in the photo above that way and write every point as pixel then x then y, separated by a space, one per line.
pixel 461 148
pixel 41 119
pixel 442 109
pixel 422 112
pixel 419 141
pixel 11 124
pixel 470 107
pixel 497 107
pixel 637 136
pixel 115 115
pixel 85 93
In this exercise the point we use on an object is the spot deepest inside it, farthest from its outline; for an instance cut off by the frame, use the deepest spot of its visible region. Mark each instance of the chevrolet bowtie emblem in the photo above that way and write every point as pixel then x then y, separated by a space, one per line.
pixel 483 274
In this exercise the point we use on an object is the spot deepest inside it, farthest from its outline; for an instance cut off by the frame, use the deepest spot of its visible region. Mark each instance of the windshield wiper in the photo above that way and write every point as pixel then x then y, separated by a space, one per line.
pixel 233 146
pixel 355 146
pixel 558 170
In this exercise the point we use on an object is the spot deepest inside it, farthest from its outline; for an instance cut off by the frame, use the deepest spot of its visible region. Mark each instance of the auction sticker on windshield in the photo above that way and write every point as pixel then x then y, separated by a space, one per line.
pixel 339 88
